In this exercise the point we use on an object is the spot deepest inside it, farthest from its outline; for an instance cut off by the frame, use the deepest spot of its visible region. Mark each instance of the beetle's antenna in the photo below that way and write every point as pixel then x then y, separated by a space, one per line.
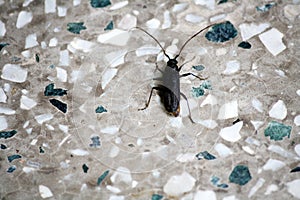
pixel 192 38
pixel 155 41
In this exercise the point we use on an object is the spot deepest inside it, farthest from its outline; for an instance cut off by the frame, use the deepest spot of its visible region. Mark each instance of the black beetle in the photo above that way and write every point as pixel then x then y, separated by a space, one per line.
pixel 169 89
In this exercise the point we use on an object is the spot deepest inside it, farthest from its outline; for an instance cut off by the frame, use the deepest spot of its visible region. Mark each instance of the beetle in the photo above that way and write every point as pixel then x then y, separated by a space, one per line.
pixel 169 88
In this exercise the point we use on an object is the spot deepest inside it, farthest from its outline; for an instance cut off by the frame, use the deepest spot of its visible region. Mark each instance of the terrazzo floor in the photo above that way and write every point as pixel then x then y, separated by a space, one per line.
pixel 74 75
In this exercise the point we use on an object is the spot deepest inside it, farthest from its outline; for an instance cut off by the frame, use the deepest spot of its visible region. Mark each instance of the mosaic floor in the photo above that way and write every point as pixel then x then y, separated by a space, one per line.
pixel 76 74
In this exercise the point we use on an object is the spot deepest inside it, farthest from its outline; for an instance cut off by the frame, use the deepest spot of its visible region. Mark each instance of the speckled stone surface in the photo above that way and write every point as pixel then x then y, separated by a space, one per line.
pixel 74 74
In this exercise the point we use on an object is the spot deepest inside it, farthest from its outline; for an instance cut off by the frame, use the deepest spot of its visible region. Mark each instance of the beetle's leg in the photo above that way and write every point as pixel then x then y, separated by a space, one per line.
pixel 188 105
pixel 191 74
pixel 148 102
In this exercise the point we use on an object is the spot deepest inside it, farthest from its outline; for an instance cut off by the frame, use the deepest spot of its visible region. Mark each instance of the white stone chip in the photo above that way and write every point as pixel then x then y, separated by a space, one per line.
pixel 208 3
pixel 118 5
pixel 122 174
pixel 297 149
pixel 281 151
pixel 278 110
pixel 153 23
pixel 273 165
pixel 79 152
pixel 297 120
pixel 26 3
pixel 232 67
pixel 260 182
pixel 64 59
pixel 2 29
pixel 194 18
pixel 53 42
pixel 231 197
pixel 272 40
pixel 31 41
pixel 110 130
pixel 291 11
pixel 208 123
pixel 24 18
pixel 61 74
pixel 127 22
pixel 257 124
pixel 271 188
pixel 232 133
pixel 205 195
pixel 7 111
pixel 179 7
pixel 187 157
pixel 43 118
pixel 248 150
pixel 223 150
pixel 45 192
pixel 293 188
pixel 175 186
pixel 76 2
pixel 107 76
pixel 50 6
pixel 250 30
pixel 209 100
pixel 27 103
pixel 147 50
pixel 167 20
pixel 3 96
pixel 298 92
pixel 228 110
pixel 62 11
pixel 116 58
pixel 257 105
pixel 114 197
pixel 82 45
pixel 115 37
pixel 14 73
pixel 3 123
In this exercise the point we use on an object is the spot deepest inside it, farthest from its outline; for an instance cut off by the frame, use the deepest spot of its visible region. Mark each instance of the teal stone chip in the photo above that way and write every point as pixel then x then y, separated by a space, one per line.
pixel 95 141
pixel 221 32
pixel 85 168
pixel 41 150
pixel 100 109
pixel 13 157
pixel 277 131
pixel 205 155
pixel 50 91
pixel 75 27
pixel 156 197
pixel 240 175
pixel 222 1
pixel 37 57
pixel 296 169
pixel 102 177
pixel 266 7
pixel 11 169
pixel 7 134
pixel 100 3
pixel 3 44
pixel 198 67
pixel 245 45
pixel 109 26
pixel 206 85
pixel 2 146
pixel 197 91
pixel 59 105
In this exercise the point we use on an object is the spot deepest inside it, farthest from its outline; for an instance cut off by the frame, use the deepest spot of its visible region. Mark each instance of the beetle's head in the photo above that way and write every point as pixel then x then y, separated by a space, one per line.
pixel 172 63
